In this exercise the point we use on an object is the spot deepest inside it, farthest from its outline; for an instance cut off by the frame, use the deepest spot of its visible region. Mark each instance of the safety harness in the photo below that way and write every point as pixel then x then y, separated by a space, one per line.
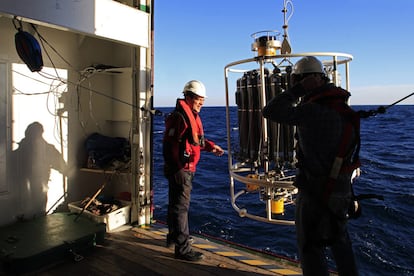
pixel 347 157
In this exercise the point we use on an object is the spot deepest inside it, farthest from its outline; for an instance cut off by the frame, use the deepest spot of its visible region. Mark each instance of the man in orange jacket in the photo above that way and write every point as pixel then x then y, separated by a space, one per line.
pixel 183 141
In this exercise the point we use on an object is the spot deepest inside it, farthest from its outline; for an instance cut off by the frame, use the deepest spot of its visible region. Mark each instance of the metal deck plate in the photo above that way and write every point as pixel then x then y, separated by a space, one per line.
pixel 28 245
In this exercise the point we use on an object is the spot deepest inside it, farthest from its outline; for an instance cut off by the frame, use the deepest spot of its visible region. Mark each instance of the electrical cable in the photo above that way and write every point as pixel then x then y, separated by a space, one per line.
pixel 381 109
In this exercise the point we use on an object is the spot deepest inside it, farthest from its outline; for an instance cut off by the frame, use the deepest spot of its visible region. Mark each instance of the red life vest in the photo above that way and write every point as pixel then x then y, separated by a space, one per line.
pixel 182 147
pixel 194 121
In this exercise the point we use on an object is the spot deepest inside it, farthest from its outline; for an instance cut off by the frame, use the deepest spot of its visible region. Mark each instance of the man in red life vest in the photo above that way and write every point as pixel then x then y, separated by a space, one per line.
pixel 183 141
pixel 327 152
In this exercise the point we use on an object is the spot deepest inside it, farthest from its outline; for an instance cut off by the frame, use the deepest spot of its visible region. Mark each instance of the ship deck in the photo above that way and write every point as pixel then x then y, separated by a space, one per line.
pixel 142 251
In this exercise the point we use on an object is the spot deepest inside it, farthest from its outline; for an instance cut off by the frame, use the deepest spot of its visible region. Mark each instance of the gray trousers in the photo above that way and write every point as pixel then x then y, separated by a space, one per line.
pixel 179 195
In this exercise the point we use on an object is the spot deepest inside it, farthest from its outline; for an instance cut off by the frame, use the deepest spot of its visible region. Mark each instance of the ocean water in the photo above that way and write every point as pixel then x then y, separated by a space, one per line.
pixel 382 237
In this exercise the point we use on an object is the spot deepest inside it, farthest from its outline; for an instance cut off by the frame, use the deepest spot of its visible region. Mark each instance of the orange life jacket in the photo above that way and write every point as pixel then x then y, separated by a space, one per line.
pixel 182 147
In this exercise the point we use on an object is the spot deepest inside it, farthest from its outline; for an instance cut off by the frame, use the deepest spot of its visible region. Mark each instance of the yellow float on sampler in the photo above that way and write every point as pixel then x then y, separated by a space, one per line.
pixel 278 206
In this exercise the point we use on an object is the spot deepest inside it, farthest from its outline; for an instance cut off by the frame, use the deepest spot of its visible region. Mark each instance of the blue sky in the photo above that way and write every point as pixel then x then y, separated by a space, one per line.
pixel 196 39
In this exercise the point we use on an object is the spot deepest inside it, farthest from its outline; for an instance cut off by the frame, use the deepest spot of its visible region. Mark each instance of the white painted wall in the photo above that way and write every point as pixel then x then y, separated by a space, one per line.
pixel 91 106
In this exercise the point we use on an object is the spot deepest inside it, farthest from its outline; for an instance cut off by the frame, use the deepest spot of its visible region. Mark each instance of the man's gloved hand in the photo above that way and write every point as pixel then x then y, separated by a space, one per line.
pixel 217 150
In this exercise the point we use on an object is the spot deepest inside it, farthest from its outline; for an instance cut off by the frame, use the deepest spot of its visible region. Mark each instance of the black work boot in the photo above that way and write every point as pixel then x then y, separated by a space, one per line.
pixel 192 256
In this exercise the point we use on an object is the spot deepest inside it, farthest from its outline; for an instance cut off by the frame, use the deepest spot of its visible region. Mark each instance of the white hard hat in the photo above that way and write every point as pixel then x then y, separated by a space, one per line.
pixel 195 87
pixel 307 65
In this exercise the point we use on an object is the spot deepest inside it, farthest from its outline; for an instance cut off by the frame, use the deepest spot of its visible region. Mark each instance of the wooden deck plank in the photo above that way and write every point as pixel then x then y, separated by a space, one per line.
pixel 141 251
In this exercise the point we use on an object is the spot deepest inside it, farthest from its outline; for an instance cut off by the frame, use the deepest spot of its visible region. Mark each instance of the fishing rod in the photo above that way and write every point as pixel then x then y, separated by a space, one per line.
pixel 381 109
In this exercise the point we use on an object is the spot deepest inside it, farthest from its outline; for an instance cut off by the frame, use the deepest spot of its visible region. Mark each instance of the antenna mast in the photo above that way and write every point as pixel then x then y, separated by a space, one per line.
pixel 286 49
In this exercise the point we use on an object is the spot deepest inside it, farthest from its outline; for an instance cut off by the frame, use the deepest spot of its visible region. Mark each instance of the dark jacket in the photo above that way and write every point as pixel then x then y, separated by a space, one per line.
pixel 320 119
